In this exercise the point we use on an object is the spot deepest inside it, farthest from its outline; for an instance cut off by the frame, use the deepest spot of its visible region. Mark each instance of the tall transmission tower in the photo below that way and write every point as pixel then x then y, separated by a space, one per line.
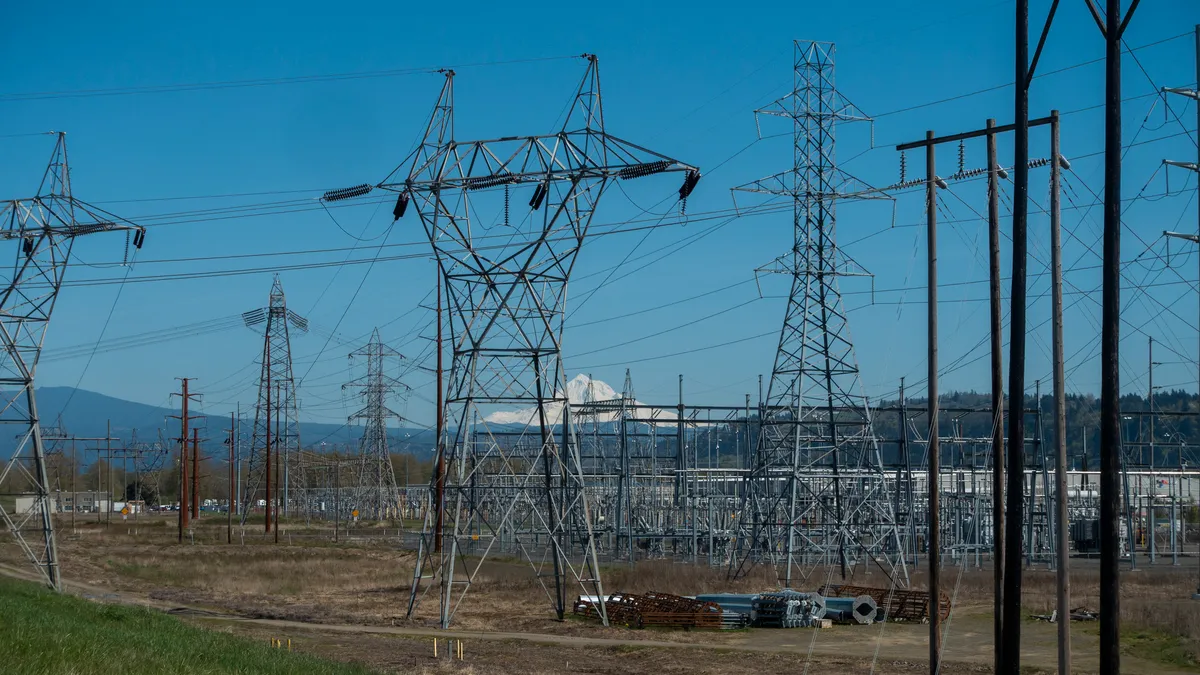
pixel 816 493
pixel 275 461
pixel 377 495
pixel 43 229
pixel 512 483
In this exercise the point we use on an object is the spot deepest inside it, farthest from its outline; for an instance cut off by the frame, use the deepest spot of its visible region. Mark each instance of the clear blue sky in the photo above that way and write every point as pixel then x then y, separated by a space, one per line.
pixel 681 79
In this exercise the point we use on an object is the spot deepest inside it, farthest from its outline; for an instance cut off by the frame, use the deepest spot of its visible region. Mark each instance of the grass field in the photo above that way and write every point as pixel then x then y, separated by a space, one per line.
pixel 62 635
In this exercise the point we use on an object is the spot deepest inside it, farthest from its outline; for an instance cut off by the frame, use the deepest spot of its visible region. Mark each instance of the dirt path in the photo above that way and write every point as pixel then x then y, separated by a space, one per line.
pixel 967 642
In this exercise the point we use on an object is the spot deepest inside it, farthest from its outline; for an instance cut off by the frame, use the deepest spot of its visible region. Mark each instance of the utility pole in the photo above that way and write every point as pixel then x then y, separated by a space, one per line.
pixel 935 464
pixel 267 447
pixel 1023 75
pixel 108 460
pixel 1061 522
pixel 229 504
pixel 195 474
pixel 186 398
pixel 1153 479
pixel 1010 550
pixel 275 525
pixel 1193 94
pixel 997 326
pixel 1111 28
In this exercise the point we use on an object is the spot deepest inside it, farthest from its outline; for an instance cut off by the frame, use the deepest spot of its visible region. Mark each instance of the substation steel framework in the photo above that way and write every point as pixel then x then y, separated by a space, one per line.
pixel 276 463
pixel 816 494
pixel 377 496
pixel 506 285
pixel 45 227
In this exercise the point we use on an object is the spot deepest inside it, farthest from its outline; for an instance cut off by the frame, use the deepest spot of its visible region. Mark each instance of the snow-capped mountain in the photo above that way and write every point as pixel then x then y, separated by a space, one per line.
pixel 577 393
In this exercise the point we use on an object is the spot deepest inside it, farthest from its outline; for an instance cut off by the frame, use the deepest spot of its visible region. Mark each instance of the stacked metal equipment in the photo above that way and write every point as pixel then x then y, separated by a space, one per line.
pixel 737 608
pixel 788 609
pixel 892 604
pixel 654 609
pixel 861 610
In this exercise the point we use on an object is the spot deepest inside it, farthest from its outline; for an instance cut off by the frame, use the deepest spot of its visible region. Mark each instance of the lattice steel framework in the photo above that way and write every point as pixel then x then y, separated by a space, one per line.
pixel 42 229
pixel 506 284
pixel 377 492
pixel 276 423
pixel 816 494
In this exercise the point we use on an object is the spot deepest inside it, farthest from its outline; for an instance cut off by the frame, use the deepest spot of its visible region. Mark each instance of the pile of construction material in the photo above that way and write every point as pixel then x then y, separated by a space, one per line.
pixel 852 605
pixel 662 610
pixel 892 604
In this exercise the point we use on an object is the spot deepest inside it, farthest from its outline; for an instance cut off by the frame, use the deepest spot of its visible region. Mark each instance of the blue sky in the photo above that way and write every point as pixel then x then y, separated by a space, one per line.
pixel 680 79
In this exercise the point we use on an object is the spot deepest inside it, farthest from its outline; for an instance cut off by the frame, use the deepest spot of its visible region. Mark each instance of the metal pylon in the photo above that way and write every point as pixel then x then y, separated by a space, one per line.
pixel 42 229
pixel 377 492
pixel 276 424
pixel 514 480
pixel 816 495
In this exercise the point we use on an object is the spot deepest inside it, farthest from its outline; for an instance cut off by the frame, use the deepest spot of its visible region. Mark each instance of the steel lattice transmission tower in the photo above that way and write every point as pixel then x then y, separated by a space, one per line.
pixel 42 230
pixel 816 494
pixel 377 494
pixel 515 486
pixel 275 461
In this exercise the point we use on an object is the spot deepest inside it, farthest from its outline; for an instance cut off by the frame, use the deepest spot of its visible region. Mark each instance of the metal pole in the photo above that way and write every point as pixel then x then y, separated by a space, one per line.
pixel 1110 349
pixel 108 461
pixel 935 619
pixel 439 491
pixel 229 504
pixel 267 444
pixel 1060 412
pixel 997 399
pixel 237 454
pixel 277 472
pixel 1016 346
pixel 74 486
pixel 337 496
pixel 1153 479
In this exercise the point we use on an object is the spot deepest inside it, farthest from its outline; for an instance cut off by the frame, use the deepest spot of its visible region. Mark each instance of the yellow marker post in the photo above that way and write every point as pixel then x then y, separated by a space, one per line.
pixel 289 644
pixel 435 648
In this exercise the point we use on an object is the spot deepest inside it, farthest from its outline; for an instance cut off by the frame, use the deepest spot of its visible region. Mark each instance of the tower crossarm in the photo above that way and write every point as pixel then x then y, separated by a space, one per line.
pixel 567 156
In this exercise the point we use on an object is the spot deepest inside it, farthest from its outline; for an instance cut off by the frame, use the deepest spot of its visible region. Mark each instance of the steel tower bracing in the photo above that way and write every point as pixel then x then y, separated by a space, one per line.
pixel 275 465
pixel 377 495
pixel 506 298
pixel 42 229
pixel 805 427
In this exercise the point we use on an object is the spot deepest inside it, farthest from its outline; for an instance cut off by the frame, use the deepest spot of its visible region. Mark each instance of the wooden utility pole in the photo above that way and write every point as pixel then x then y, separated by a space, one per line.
pixel 229 504
pixel 1112 27
pixel 1061 522
pixel 195 474
pixel 277 462
pixel 186 397
pixel 935 466
pixel 997 327
pixel 267 447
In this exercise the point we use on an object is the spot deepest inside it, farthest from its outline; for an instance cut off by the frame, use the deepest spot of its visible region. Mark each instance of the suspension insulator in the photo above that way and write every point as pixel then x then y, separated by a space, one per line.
pixel 539 195
pixel 689 183
pixel 401 206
